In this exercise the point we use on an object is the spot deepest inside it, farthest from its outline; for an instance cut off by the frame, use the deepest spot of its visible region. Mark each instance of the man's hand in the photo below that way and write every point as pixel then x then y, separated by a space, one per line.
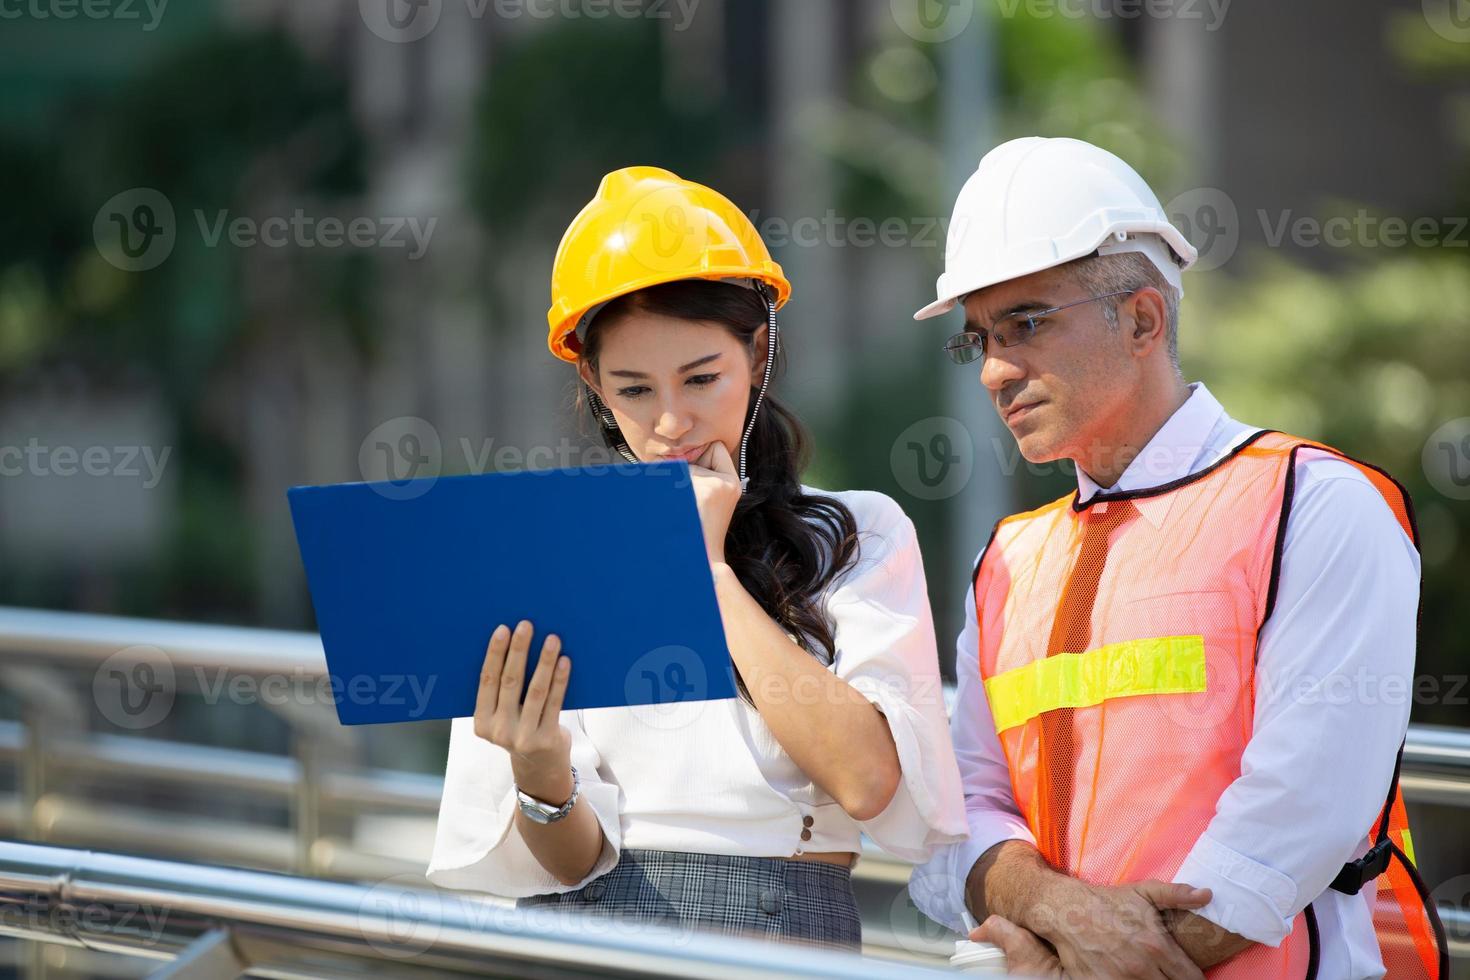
pixel 1097 931
pixel 1117 931
pixel 1026 955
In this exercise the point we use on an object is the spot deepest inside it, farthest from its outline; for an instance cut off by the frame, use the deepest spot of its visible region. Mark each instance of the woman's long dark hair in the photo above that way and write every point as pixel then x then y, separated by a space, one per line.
pixel 785 546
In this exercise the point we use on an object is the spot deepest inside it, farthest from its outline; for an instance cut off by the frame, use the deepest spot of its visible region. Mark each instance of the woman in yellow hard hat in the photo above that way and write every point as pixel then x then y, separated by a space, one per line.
pixel 741 815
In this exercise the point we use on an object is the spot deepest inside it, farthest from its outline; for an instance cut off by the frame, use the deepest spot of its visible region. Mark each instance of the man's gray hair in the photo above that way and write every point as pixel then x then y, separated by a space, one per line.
pixel 1128 271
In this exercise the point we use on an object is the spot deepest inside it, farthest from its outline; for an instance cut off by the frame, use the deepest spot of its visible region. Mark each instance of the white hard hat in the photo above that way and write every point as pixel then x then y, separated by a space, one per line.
pixel 1035 203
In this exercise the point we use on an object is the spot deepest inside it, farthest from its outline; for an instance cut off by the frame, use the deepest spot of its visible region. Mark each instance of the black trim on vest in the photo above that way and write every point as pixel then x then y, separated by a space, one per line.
pixel 979 559
pixel 1430 909
pixel 1354 874
pixel 1104 497
pixel 1288 497
pixel 1314 943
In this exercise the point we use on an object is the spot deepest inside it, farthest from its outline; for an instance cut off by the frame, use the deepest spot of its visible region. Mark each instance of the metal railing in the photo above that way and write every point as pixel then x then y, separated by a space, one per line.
pixel 207 922
pixel 49 662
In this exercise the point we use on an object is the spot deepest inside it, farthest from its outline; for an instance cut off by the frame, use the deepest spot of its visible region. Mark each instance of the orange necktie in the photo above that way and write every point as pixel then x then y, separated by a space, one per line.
pixel 1071 632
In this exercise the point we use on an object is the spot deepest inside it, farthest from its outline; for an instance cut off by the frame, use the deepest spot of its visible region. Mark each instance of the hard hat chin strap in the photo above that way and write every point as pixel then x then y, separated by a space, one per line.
pixel 765 381
pixel 605 418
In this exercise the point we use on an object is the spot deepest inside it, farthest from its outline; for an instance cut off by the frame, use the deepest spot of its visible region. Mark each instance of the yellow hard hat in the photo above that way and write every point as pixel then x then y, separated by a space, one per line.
pixel 648 226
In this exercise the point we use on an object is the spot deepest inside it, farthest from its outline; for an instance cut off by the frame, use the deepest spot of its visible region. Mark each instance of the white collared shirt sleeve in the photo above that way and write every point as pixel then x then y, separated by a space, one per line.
pixel 938 886
pixel 1333 692
pixel 886 651
pixel 477 846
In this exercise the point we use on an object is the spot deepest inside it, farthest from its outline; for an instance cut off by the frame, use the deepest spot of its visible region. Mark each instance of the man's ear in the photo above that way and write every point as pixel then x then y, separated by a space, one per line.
pixel 1145 321
pixel 761 342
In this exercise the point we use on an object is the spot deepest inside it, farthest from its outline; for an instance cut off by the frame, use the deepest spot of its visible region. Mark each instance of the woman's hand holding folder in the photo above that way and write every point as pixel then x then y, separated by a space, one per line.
pixel 540 748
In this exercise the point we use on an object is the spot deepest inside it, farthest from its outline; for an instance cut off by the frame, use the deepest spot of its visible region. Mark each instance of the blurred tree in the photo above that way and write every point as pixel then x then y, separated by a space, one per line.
pixel 241 123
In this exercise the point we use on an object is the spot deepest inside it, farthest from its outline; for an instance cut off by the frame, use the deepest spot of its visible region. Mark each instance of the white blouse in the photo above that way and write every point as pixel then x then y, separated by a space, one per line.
pixel 708 776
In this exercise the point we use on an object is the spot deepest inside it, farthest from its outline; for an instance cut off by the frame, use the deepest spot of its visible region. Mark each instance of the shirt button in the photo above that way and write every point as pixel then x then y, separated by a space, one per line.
pixel 806 835
pixel 806 821
pixel 592 892
pixel 770 903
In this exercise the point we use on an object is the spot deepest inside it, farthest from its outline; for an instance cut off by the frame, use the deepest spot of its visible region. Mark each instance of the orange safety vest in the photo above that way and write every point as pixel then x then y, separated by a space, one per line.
pixel 1118 643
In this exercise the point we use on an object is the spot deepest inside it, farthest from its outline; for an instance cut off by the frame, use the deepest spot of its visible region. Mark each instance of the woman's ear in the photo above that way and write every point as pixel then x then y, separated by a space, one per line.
pixel 584 370
pixel 761 342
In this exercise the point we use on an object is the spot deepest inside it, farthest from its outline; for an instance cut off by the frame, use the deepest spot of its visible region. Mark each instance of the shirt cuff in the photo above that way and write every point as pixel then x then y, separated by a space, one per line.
pixel 1249 898
pixel 925 811
pixel 938 886
pixel 484 852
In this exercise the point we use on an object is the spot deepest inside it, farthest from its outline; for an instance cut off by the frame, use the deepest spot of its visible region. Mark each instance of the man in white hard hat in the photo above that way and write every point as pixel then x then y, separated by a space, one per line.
pixel 1157 777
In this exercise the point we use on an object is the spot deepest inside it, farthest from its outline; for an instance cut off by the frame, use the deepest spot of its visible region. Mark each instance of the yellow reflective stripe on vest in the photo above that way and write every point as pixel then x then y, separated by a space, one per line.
pixel 1158 665
pixel 1408 847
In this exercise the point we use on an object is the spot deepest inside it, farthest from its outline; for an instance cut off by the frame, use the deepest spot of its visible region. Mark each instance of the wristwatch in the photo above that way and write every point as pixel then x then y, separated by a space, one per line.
pixel 538 811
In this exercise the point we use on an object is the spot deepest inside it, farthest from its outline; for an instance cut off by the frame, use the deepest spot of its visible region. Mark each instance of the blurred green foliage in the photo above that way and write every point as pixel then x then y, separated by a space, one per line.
pixel 1370 355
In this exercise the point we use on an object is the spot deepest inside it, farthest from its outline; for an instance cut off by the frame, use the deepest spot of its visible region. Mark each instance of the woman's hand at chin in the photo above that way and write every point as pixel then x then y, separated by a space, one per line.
pixel 716 492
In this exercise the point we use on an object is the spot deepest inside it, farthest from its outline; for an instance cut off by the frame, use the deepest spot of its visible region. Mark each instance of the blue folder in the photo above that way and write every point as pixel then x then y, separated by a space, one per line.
pixel 409 579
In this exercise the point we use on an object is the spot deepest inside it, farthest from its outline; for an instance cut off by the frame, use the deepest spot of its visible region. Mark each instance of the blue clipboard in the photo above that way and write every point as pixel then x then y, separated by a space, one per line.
pixel 409 579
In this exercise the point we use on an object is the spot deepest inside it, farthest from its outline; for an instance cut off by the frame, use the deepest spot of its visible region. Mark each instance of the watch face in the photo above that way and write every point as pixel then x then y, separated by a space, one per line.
pixel 535 814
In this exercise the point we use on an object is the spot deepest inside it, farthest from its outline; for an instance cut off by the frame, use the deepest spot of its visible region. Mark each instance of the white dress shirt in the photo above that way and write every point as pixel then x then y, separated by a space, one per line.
pixel 1333 690
pixel 709 776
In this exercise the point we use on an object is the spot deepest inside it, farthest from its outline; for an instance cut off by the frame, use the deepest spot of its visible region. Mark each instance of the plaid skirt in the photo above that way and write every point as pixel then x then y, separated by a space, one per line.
pixel 806 902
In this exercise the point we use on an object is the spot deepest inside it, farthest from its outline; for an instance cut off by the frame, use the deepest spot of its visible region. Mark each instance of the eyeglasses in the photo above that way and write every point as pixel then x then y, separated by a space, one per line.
pixel 1009 331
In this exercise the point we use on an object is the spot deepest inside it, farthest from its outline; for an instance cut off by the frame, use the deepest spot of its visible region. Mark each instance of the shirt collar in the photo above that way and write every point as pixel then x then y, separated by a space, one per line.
pixel 1175 451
